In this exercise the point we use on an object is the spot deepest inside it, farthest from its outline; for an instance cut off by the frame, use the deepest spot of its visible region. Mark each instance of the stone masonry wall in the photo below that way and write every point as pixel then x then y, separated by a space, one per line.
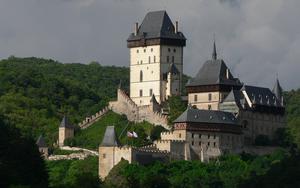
pixel 124 105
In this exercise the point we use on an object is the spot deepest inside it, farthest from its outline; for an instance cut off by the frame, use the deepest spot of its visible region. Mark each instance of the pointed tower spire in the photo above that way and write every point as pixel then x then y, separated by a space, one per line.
pixel 214 54
pixel 277 90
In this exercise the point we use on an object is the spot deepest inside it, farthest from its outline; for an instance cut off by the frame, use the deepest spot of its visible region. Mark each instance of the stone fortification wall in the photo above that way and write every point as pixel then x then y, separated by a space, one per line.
pixel 92 119
pixel 125 105
pixel 176 148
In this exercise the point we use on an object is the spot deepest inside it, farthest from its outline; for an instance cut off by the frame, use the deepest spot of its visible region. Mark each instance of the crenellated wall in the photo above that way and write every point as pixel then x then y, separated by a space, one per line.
pixel 92 119
pixel 151 113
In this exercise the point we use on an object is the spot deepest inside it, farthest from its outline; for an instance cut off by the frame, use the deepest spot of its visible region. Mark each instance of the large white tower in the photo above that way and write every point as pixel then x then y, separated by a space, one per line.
pixel 156 59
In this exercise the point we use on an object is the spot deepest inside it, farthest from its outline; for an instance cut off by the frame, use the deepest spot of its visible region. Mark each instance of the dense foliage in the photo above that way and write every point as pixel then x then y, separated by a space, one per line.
pixel 229 171
pixel 35 93
pixel 20 160
pixel 74 173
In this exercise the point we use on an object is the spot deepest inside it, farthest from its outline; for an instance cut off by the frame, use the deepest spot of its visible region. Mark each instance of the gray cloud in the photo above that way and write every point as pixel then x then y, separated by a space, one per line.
pixel 257 39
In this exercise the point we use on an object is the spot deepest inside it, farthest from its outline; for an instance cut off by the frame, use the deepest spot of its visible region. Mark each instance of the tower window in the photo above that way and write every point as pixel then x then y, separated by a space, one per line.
pixel 168 59
pixel 209 96
pixel 195 98
pixel 169 50
pixel 151 49
pixel 137 51
pixel 154 59
pixel 208 143
pixel 172 59
pixel 141 61
pixel 103 155
pixel 141 76
pixel 149 59
pixel 145 50
pixel 141 92
pixel 192 143
pixel 150 92
pixel 192 135
pixel 200 143
pixel 174 50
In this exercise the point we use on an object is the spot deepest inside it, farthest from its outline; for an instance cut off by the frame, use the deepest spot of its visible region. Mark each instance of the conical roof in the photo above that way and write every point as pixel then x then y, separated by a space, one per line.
pixel 277 90
pixel 153 99
pixel 41 142
pixel 65 123
pixel 110 137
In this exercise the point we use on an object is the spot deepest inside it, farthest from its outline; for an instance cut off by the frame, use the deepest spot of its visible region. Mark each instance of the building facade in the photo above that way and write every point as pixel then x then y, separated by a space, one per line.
pixel 156 59
pixel 212 84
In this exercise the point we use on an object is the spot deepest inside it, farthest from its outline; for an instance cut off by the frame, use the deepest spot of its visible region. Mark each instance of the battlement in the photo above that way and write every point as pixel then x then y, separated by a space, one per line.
pixel 151 150
pixel 168 141
pixel 92 119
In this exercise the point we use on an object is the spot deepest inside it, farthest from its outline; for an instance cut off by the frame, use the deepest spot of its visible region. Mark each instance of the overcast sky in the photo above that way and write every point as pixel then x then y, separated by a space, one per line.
pixel 257 38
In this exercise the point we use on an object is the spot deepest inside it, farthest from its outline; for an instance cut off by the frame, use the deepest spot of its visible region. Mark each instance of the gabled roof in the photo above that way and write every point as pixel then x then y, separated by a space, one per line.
pixel 206 116
pixel 261 96
pixel 277 90
pixel 213 72
pixel 41 142
pixel 110 137
pixel 156 24
pixel 65 123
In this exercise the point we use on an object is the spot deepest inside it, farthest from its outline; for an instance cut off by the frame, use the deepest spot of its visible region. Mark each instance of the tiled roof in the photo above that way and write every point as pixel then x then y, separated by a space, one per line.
pixel 41 142
pixel 156 24
pixel 110 137
pixel 206 116
pixel 65 123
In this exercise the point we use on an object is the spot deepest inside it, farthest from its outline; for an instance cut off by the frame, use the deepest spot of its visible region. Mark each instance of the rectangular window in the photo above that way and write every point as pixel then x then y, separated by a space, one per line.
pixel 209 107
pixel 209 96
pixel 195 98
pixel 214 144
pixel 199 143
pixel 173 59
pixel 149 60
pixel 154 59
pixel 141 92
pixel 208 136
pixel 214 136
pixel 168 59
pixel 150 92
pixel 208 143
pixel 192 135
pixel 103 156
pixel 192 143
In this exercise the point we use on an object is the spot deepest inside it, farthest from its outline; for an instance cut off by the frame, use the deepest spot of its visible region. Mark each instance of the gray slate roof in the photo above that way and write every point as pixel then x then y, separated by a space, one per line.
pixel 156 24
pixel 173 69
pixel 41 142
pixel 237 97
pixel 261 96
pixel 153 99
pixel 110 137
pixel 206 116
pixel 65 123
pixel 213 72
pixel 277 90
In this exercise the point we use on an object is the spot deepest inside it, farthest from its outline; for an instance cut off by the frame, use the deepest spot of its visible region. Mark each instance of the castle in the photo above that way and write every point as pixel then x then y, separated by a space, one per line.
pixel 224 115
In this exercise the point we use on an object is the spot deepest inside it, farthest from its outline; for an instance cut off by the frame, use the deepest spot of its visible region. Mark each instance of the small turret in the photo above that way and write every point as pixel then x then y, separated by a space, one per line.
pixel 43 148
pixel 66 130
pixel 277 90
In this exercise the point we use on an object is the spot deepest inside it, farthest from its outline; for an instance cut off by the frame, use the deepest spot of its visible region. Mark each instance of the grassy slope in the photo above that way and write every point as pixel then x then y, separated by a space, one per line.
pixel 92 136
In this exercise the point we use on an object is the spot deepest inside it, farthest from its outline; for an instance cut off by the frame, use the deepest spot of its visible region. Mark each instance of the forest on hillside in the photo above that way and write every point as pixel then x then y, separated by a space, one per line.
pixel 35 93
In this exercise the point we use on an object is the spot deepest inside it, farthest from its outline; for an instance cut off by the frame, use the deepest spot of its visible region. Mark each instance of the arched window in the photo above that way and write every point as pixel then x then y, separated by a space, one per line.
pixel 141 76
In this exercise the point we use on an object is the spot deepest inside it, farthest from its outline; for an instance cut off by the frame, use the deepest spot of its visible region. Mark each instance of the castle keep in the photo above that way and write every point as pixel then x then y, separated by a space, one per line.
pixel 156 59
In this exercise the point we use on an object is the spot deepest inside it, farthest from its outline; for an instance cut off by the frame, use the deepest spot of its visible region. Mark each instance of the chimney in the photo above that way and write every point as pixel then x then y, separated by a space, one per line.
pixel 176 27
pixel 136 28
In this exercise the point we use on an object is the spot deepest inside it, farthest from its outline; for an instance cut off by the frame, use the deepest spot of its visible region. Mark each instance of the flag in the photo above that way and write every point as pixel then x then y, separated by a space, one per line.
pixel 129 134
pixel 134 134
